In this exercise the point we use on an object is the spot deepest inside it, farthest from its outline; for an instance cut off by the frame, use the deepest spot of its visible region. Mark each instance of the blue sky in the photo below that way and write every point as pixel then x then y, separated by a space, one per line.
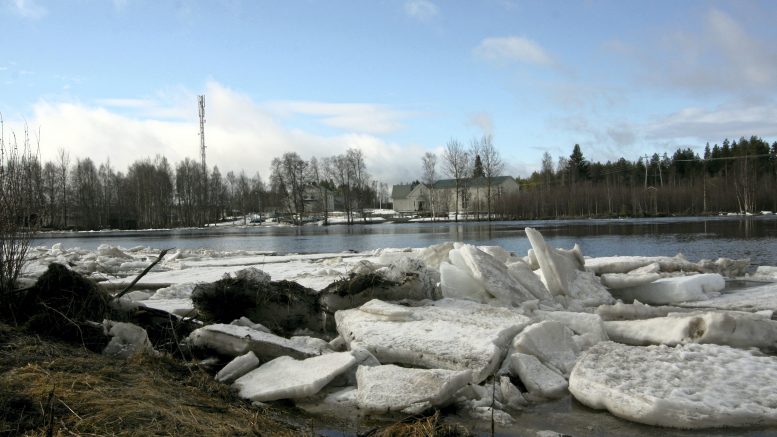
pixel 118 79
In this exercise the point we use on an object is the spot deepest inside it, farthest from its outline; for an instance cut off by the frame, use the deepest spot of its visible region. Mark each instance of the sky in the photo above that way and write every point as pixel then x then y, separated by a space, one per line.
pixel 118 80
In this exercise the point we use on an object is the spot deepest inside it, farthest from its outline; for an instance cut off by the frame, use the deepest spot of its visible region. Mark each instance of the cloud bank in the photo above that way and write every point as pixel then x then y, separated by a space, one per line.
pixel 240 133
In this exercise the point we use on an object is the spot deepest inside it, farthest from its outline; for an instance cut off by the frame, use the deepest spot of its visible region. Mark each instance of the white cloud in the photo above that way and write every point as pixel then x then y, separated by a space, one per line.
pixel 28 9
pixel 421 10
pixel 240 134
pixel 483 121
pixel 358 117
pixel 725 121
pixel 513 49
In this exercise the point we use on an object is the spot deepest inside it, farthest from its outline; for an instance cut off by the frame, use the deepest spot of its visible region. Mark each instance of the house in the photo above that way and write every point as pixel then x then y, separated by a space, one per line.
pixel 406 198
pixel 473 196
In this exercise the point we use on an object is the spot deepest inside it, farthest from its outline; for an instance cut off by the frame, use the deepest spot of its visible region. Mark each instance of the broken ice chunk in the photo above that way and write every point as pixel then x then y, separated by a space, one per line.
pixel 287 378
pixel 393 388
pixel 676 289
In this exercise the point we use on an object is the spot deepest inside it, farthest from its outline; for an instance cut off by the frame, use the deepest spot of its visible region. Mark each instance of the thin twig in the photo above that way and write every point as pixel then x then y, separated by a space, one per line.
pixel 142 274
pixel 68 407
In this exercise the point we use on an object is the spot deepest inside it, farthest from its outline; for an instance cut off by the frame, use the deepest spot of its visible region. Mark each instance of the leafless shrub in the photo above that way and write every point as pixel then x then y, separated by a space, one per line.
pixel 20 177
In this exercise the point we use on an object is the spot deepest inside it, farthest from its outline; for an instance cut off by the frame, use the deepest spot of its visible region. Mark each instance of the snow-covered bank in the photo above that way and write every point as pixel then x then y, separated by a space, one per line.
pixel 480 327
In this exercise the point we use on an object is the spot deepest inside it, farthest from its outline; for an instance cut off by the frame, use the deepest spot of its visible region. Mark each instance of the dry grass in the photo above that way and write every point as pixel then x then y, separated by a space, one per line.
pixel 430 426
pixel 49 388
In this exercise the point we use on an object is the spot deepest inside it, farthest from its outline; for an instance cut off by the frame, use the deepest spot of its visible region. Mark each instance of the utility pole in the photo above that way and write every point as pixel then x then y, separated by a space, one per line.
pixel 201 105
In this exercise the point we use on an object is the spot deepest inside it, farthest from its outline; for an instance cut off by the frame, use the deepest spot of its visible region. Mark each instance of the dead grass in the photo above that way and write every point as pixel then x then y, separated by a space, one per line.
pixel 49 388
pixel 430 426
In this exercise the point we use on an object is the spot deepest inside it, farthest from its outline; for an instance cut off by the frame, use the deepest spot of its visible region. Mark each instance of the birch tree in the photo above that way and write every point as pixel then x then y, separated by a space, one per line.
pixel 456 163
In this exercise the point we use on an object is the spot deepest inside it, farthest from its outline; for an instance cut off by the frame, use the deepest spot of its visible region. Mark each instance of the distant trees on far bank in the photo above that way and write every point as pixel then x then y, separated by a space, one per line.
pixel 77 193
pixel 737 176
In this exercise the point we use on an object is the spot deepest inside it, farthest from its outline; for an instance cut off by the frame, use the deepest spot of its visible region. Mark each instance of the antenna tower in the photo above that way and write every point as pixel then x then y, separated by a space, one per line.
pixel 201 104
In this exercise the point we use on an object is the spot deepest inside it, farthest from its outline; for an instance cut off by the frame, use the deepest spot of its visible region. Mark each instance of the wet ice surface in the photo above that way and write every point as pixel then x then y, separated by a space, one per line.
pixel 495 277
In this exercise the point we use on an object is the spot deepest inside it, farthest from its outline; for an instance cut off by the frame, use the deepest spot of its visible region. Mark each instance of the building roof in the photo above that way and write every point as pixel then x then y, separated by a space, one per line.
pixel 399 192
pixel 477 182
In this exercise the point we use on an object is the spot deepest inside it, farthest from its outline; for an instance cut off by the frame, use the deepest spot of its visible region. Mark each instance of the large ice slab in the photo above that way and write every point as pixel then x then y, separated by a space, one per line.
pixel 237 368
pixel 558 268
pixel 445 334
pixel 674 290
pixel 287 378
pixel 761 298
pixel 551 342
pixel 233 340
pixel 539 379
pixel 678 263
pixel 689 386
pixel 732 329
pixel 491 273
pixel 393 388
pixel 625 264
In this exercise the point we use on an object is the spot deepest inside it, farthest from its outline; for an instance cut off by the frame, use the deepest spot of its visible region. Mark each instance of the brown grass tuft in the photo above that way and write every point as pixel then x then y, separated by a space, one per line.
pixel 64 390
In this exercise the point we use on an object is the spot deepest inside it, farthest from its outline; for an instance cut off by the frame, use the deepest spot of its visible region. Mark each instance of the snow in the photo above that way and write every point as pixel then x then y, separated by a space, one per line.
pixel 237 368
pixel 675 289
pixel 688 386
pixel 446 334
pixel 539 379
pixel 392 388
pixel 551 342
pixel 287 378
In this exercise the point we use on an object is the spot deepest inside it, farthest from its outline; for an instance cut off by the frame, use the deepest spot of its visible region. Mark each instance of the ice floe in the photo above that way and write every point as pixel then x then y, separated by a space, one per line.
pixel 411 391
pixel 287 378
pixel 445 334
pixel 675 290
pixel 687 386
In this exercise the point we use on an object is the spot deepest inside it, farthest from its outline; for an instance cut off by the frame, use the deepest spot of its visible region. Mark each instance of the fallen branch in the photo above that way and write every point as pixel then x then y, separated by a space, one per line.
pixel 142 274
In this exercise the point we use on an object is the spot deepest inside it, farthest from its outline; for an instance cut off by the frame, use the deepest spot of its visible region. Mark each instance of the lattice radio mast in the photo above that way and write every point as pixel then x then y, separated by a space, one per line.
pixel 201 104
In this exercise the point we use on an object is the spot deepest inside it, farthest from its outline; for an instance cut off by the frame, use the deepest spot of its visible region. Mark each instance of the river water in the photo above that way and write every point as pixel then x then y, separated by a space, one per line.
pixel 696 238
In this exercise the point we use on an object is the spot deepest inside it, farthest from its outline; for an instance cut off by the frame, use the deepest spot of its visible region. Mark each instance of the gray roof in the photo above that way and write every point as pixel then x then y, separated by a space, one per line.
pixel 401 191
pixel 478 182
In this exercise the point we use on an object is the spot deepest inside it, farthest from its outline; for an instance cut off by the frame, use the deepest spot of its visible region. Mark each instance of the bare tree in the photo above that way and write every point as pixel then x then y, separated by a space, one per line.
pixel 86 187
pixel 493 166
pixel 288 174
pixel 317 178
pixel 456 163
pixel 430 178
pixel 64 166
pixel 19 207
pixel 360 180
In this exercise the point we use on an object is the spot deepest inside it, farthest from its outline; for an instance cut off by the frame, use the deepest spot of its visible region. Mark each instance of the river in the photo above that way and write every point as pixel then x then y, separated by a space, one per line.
pixel 697 238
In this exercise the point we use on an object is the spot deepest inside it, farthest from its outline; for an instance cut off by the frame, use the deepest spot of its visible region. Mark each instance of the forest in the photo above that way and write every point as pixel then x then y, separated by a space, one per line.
pixel 736 176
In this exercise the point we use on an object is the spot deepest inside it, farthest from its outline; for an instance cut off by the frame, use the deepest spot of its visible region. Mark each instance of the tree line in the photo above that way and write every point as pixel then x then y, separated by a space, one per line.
pixel 736 176
pixel 68 193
